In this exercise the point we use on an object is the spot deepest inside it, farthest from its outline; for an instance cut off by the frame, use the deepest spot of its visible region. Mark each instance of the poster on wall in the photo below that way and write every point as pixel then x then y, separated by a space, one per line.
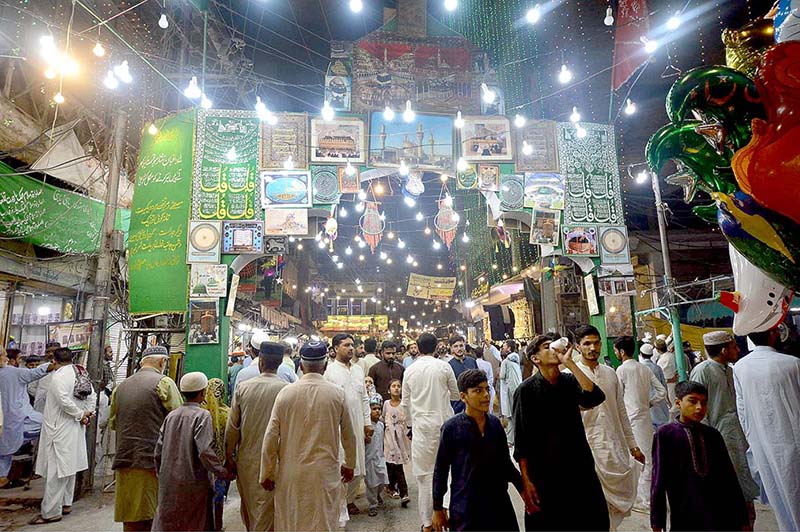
pixel 614 245
pixel 208 280
pixel 426 143
pixel 512 192
pixel 337 92
pixel 580 240
pixel 203 321
pixel 232 295
pixel 288 222
pixel 486 138
pixel 468 179
pixel 617 286
pixel 545 227
pixel 349 183
pixel 591 295
pixel 541 136
pixel 325 185
pixel 204 240
pixel 70 334
pixel 488 177
pixel 544 190
pixel 242 237
pixel 338 141
pixel 288 137
pixel 274 245
pixel 429 287
pixel 260 281
pixel 289 188
pixel 619 318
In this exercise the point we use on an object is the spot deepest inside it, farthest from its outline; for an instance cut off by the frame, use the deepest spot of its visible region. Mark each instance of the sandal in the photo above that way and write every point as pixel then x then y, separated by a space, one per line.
pixel 39 520
pixel 66 510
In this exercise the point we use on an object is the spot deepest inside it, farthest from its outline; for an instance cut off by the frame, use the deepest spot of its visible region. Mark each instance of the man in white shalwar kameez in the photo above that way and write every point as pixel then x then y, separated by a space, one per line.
pixel 429 385
pixel 350 378
pixel 767 384
pixel 608 431
pixel 641 390
pixel 62 444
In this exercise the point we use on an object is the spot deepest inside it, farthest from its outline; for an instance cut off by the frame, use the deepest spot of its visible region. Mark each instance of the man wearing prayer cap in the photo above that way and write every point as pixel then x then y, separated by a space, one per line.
pixel 251 371
pixel 301 453
pixel 251 408
pixel 139 405
pixel 185 455
pixel 716 373
pixel 659 412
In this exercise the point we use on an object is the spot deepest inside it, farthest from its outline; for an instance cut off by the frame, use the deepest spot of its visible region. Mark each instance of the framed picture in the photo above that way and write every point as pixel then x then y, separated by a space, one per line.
pixel 614 245
pixel 208 280
pixel 204 239
pixel 325 185
pixel 349 184
pixel 289 136
pixel 541 136
pixel 617 286
pixel 580 240
pixel 338 91
pixel 545 227
pixel 291 188
pixel 274 245
pixel 242 237
pixel 286 222
pixel 425 143
pixel 486 138
pixel 619 318
pixel 512 192
pixel 338 141
pixel 544 190
pixel 203 321
pixel 489 177
pixel 467 179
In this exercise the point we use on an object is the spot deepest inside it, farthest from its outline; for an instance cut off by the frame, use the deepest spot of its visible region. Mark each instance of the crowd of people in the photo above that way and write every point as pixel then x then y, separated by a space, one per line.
pixel 309 430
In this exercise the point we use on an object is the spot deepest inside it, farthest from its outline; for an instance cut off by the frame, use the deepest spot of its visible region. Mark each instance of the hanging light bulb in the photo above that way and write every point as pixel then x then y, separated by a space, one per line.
pixel 348 251
pixel 609 20
pixel 383 255
pixel 419 217
pixel 58 98
pixel 261 109
pixel 163 23
pixel 575 117
pixel 99 50
pixel 451 5
pixel 458 122
pixel 48 47
pixel 436 244
pixel 378 189
pixel 356 5
pixel 650 46
pixel 231 154
pixel 205 103
pixel 122 72
pixel 327 111
pixel 409 114
pixel 192 91
pixel 403 170
pixel 630 107
pixel 409 201
pixel 462 165
pixel 427 230
pixel 448 201
pixel 288 164
pixel 360 208
pixel 342 212
pixel 527 149
pixel 271 118
pixel 152 129
pixel 465 238
pixel 674 21
pixel 642 177
pixel 390 235
pixel 564 75
pixel 534 14
pixel 388 114
pixel 519 121
pixel 580 131
pixel 110 81
pixel 362 195
pixel 488 95
pixel 400 243
pixel 349 170
pixel 50 73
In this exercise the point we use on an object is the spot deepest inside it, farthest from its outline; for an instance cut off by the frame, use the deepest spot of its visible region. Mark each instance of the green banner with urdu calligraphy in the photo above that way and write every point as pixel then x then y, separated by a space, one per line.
pixel 158 276
pixel 51 217
pixel 226 166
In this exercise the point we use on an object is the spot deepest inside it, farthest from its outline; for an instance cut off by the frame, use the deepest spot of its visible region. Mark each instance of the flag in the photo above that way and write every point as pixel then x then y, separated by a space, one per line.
pixel 632 24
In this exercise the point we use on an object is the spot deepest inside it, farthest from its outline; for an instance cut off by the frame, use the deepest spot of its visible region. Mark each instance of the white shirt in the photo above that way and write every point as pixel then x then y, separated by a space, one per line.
pixel 369 360
pixel 641 390
pixel 351 380
pixel 666 361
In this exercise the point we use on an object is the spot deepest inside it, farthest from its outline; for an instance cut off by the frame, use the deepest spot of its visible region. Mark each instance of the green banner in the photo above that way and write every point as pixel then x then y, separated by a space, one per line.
pixel 226 166
pixel 158 276
pixel 51 217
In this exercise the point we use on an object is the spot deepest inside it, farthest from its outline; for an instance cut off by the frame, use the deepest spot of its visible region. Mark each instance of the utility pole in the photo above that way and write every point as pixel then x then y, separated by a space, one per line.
pixel 669 282
pixel 102 293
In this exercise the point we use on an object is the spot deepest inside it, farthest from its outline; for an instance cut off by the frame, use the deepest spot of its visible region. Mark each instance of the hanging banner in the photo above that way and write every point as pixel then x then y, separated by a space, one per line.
pixel 367 324
pixel 226 165
pixel 428 287
pixel 51 217
pixel 632 24
pixel 158 277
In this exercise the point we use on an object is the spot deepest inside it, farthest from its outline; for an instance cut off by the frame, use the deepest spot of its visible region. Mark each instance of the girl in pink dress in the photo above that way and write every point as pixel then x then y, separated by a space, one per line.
pixel 396 445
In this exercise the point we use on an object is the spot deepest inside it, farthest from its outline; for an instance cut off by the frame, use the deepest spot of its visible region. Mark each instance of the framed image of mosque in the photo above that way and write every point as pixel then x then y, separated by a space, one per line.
pixel 425 143
pixel 338 141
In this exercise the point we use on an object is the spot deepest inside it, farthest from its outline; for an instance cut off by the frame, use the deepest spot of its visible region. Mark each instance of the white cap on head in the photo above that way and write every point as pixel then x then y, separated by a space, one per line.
pixel 155 351
pixel 259 336
pixel 193 382
pixel 717 338
pixel 661 337
pixel 646 349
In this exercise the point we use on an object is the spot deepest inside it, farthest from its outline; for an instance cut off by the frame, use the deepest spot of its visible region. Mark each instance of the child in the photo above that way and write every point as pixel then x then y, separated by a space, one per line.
pixel 691 468
pixel 375 466
pixel 474 450
pixel 369 384
pixel 396 445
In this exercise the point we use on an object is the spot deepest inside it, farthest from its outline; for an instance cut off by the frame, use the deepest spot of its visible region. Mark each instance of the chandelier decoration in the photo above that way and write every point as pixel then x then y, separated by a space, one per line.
pixel 371 224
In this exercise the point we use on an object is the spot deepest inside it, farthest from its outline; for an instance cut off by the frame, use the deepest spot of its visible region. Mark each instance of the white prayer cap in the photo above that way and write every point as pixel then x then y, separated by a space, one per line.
pixel 717 338
pixel 647 350
pixel 193 382
pixel 661 337
pixel 259 336
pixel 155 351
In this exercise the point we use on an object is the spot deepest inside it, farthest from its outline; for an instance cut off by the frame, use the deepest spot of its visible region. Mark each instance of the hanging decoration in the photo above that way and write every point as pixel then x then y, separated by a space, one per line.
pixel 446 221
pixel 331 229
pixel 414 184
pixel 371 225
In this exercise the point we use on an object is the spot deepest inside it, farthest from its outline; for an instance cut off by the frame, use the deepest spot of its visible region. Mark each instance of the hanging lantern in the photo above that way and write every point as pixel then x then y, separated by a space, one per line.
pixel 371 225
pixel 446 222
pixel 331 229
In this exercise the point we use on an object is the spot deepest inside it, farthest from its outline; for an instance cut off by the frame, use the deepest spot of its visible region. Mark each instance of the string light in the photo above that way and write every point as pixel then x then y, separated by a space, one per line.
pixel 361 257
pixel 488 95
pixel 205 103
pixel 409 114
pixel 527 149
pixel 410 259
pixel 163 23
pixel 400 243
pixel 459 121
pixel 122 72
pixel 59 98
pixel 650 46
pixel 390 235
pixel 192 91
pixel 49 73
pixel 451 5
pixel 443 178
pixel 575 117
pixel 327 112
pixel 356 6
pixel 99 50
pixel 436 245
pixel 152 129
pixel 580 131
pixel 288 164
pixel 383 255
pixel 403 170
pixel 642 177
pixel 630 107
pixel 519 121
pixel 321 244
pixel 674 21
pixel 409 201
pixel 427 230
pixel 388 114
pixel 465 239
pixel 609 20
pixel 342 212
pixel 378 189
pixel 564 75
pixel 360 208
pixel 419 217
pixel 534 14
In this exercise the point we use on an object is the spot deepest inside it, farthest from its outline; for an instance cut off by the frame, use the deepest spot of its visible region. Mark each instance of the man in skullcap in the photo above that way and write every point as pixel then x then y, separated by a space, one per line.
pixel 184 458
pixel 300 459
pixel 716 373
pixel 139 405
pixel 659 412
pixel 251 409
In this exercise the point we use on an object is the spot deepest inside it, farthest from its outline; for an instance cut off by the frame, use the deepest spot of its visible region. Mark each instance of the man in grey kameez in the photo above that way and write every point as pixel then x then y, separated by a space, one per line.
pixel 716 373
pixel 185 457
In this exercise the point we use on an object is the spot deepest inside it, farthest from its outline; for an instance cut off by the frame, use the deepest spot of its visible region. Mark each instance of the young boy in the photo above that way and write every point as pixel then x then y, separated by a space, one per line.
pixel 692 468
pixel 474 450
pixel 375 464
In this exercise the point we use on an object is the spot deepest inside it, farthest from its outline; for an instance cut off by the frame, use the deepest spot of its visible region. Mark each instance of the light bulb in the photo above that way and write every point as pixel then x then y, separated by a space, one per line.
pixel 630 107
pixel 340 265
pixel 153 129
pixel 443 178
pixel 649 46
pixel 403 170
pixel 458 122
pixel 527 149
pixel 451 5
pixel 231 154
pixel 427 230
pixel 343 212
pixel 575 117
pixel 400 243
pixel 409 201
pixel 674 21
pixel 288 164
pixel 110 81
pixel 362 195
pixel 163 23
pixel 388 114
pixel 488 95
pixel 349 170
pixel 390 235
pixel 360 208
pixel 192 91
pixel 69 67
pixel 462 165
pixel 409 259
pixel 580 131
pixel 361 257
pixel 356 5
pixel 58 98
pixel 321 244
pixel 609 20
pixel 519 121
pixel 327 111
pixel 271 118
pixel 642 177
pixel 534 14
pixel 50 73
pixel 378 189
pixel 436 244
pixel 261 109
pixel 383 255
pixel 99 50
pixel 448 201
pixel 122 72
pixel 419 217
pixel 205 103
pixel 48 46
pixel 465 238
pixel 564 75
pixel 409 114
